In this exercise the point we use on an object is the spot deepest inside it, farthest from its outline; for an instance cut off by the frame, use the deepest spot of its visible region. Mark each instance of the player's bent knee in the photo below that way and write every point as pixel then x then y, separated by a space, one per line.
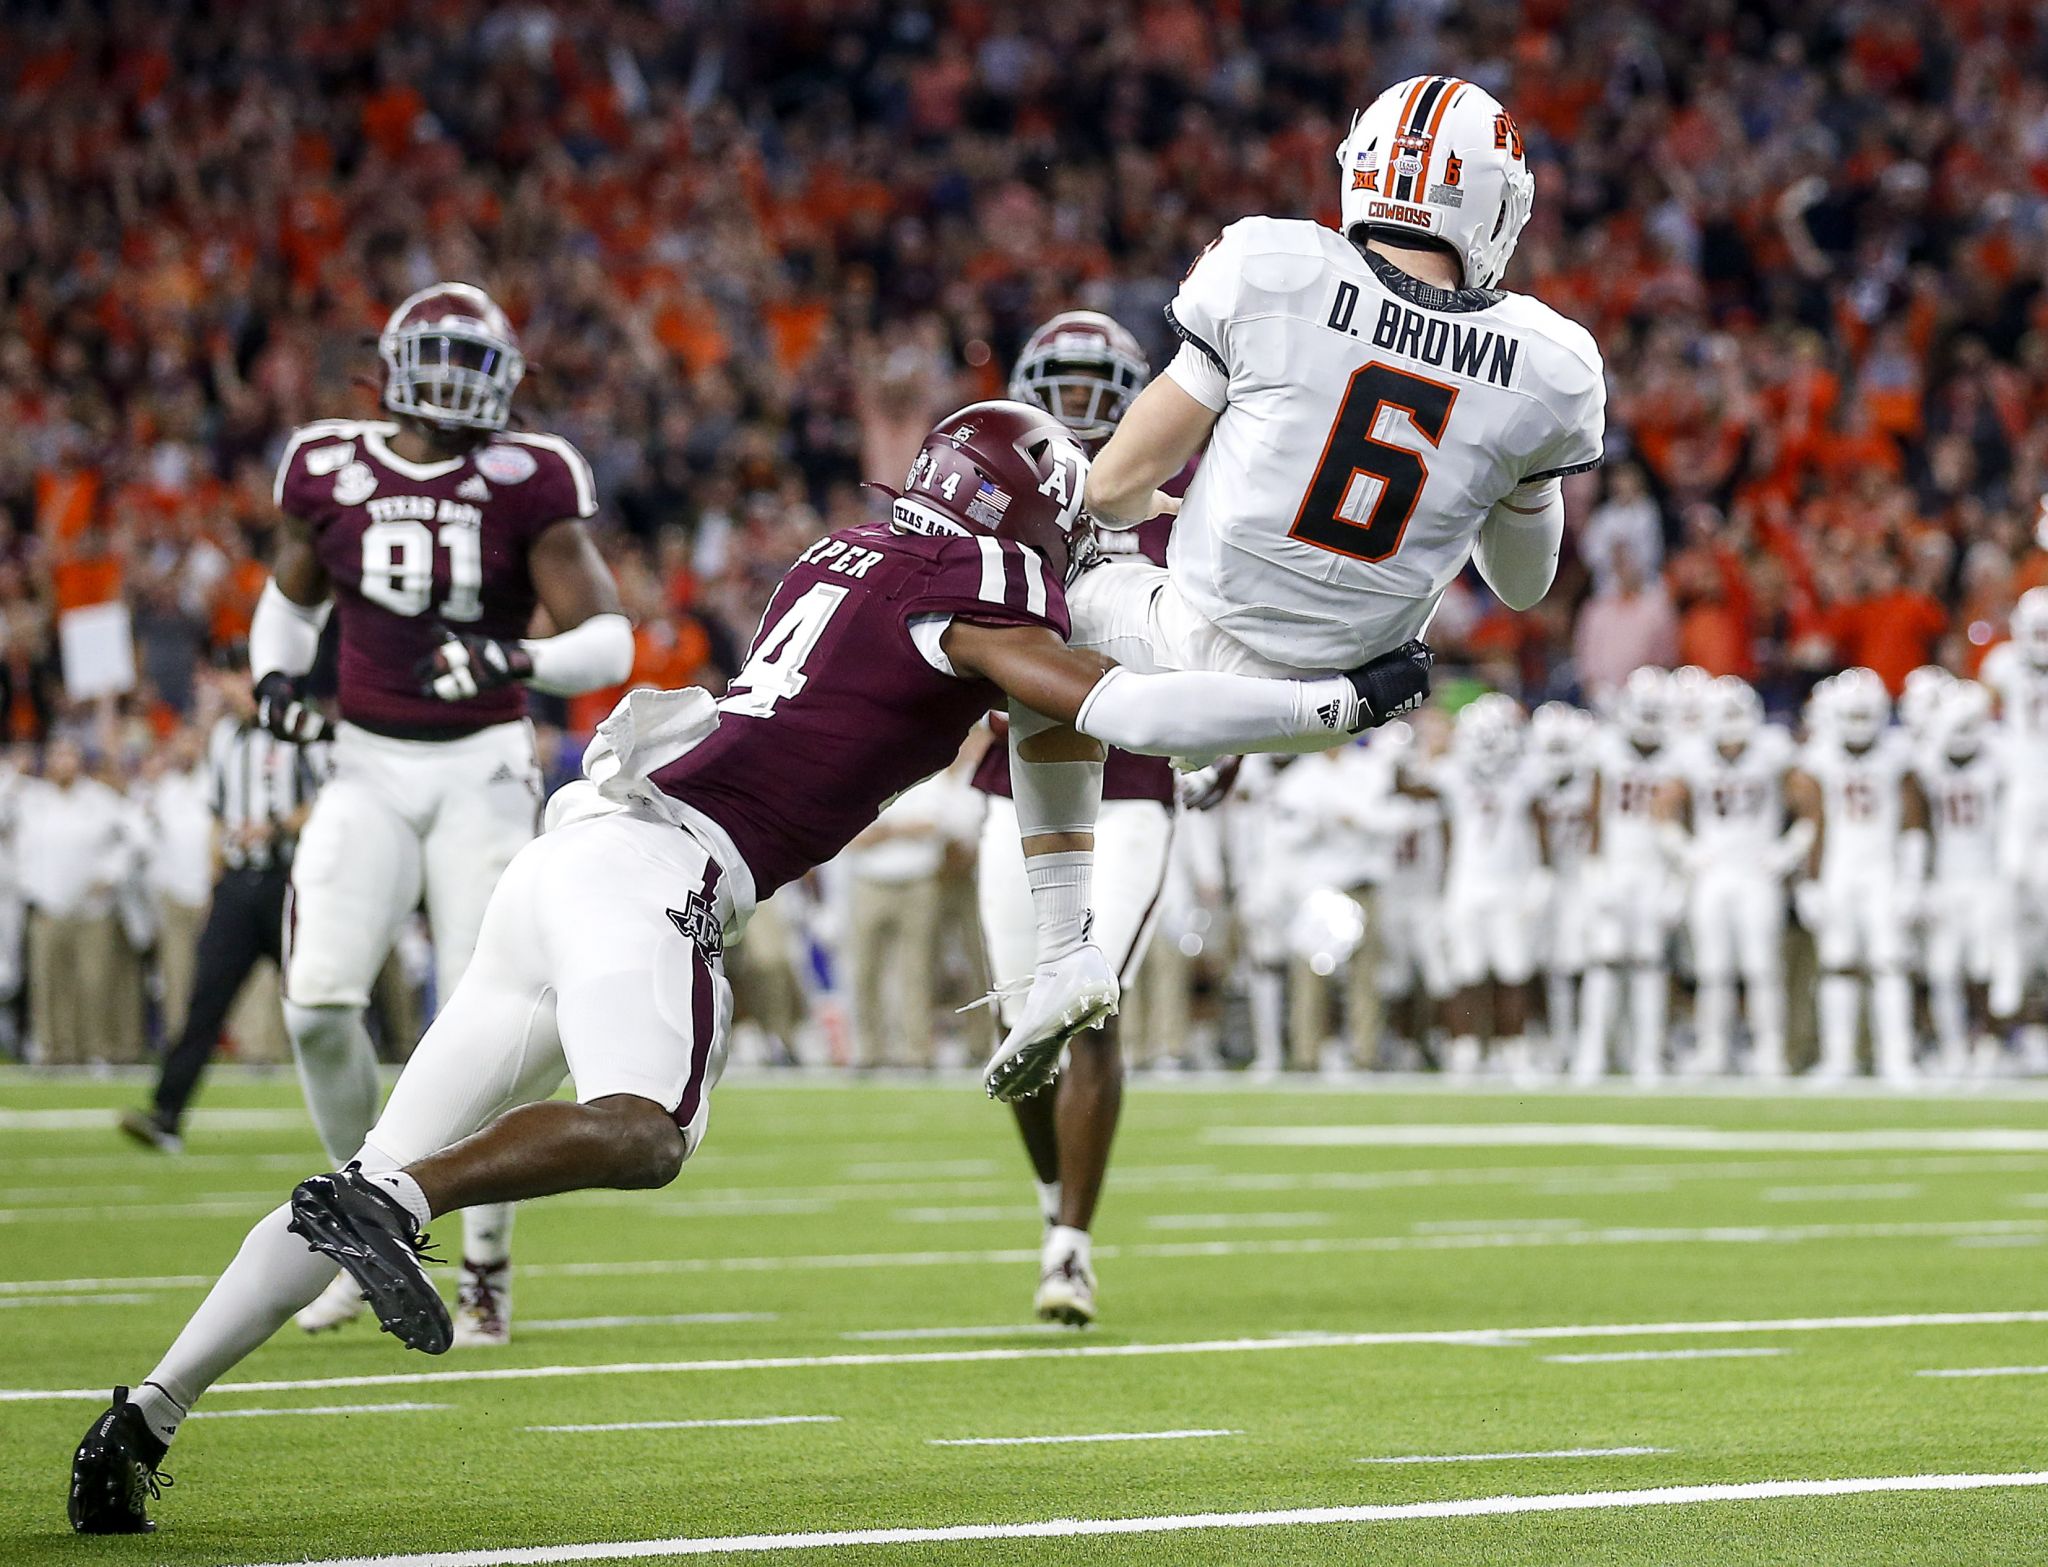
pixel 647 1146
pixel 320 1030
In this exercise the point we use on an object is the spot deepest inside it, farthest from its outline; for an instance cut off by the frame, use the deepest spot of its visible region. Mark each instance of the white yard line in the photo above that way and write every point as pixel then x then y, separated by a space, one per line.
pixel 1181 1523
pixel 1663 1354
pixel 676 1319
pixel 1868 1192
pixel 315 1409
pixel 1059 1441
pixel 17 1302
pixel 1230 1346
pixel 1516 1239
pixel 1623 1134
pixel 144 1211
pixel 1236 1221
pixel 1496 1458
pixel 1987 1371
pixel 200 1120
pixel 699 1425
pixel 982 1330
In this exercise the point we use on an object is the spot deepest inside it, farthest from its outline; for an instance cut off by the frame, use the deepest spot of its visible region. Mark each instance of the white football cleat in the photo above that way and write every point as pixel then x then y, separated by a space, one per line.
pixel 1067 995
pixel 483 1306
pixel 1066 1290
pixel 341 1302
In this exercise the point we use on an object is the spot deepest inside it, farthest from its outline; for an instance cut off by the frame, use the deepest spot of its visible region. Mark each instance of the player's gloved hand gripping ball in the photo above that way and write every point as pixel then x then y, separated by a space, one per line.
pixel 282 709
pixel 466 665
pixel 1392 684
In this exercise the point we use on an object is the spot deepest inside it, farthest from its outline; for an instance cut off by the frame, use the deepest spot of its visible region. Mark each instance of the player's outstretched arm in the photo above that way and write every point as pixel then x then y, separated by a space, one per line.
pixel 1185 712
pixel 1164 427
pixel 284 635
pixel 592 646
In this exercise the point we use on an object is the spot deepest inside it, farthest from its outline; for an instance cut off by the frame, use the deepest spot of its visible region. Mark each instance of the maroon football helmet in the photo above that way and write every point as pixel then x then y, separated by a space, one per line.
pixel 1000 468
pixel 451 359
pixel 1083 368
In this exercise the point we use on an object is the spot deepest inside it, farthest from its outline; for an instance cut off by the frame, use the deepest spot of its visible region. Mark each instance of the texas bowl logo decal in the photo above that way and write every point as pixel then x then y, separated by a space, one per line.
pixel 1409 151
pixel 506 464
pixel 354 484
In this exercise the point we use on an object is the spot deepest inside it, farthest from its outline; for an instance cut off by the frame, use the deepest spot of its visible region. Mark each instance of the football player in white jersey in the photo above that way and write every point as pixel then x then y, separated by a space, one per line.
pixel 1867 868
pixel 1737 852
pixel 1373 410
pixel 1973 952
pixel 1634 898
pixel 1492 884
pixel 2017 673
pixel 1560 747
pixel 1415 966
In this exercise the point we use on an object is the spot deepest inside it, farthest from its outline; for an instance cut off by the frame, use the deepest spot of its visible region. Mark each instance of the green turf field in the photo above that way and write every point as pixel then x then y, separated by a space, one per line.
pixel 1694 1294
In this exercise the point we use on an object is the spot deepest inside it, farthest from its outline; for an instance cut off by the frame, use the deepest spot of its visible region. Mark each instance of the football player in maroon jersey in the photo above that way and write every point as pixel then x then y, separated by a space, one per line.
pixel 1083 368
pixel 431 537
pixel 601 956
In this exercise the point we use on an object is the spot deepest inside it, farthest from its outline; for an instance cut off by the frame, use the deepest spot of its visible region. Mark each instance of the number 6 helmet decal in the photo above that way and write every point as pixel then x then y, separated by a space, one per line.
pixel 1002 468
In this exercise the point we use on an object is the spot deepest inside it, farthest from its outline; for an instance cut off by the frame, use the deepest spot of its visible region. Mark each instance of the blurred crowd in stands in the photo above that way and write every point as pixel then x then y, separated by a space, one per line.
pixel 754 249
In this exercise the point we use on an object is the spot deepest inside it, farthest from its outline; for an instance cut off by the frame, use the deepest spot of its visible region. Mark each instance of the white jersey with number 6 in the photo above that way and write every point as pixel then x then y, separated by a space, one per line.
pixel 1368 424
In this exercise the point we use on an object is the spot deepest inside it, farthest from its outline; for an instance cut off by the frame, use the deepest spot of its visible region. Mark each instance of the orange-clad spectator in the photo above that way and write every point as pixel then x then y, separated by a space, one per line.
pixel 1893 629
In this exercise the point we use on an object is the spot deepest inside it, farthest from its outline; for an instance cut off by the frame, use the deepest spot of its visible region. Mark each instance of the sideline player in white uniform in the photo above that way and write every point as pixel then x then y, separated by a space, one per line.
pixel 1634 899
pixel 1372 410
pixel 1867 869
pixel 1083 368
pixel 1973 953
pixel 1491 885
pixel 1560 744
pixel 434 539
pixel 1415 968
pixel 1738 852
pixel 2017 673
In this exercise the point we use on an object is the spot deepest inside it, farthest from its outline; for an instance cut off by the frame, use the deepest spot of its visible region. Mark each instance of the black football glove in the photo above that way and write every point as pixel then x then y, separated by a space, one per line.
pixel 1392 684
pixel 467 665
pixel 282 708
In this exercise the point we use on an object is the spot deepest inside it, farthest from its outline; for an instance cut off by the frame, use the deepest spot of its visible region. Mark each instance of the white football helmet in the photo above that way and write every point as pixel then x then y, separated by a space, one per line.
pixel 450 358
pixel 1734 711
pixel 1690 691
pixel 1921 701
pixel 2030 626
pixel 1963 721
pixel 1858 707
pixel 1560 733
pixel 1439 157
pixel 1489 731
pixel 1083 368
pixel 1643 706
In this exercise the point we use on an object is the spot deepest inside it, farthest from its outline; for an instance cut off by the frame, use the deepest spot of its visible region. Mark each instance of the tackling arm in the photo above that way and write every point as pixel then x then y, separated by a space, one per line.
pixel 1182 713
pixel 1162 429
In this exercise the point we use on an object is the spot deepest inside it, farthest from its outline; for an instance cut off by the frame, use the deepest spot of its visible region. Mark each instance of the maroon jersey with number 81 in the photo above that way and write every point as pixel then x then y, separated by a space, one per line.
pixel 845 701
pixel 411 547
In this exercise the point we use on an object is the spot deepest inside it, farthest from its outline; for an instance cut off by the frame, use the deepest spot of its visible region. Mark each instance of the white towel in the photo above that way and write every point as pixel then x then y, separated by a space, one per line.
pixel 645 732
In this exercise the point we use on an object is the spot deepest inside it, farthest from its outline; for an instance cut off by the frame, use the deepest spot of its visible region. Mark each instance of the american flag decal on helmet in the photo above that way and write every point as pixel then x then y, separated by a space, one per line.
pixel 989 503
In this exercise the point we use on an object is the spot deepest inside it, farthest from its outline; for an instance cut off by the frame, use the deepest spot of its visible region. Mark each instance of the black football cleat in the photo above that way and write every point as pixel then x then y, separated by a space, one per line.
pixel 345 1216
pixel 114 1472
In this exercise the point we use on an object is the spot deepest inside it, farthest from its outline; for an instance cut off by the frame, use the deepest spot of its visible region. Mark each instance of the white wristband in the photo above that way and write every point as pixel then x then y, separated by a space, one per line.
pixel 588 657
pixel 284 637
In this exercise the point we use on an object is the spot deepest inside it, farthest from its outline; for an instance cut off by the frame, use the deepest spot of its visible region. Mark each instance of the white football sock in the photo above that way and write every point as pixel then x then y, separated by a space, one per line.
pixel 1841 1002
pixel 273 1275
pixel 1596 1011
pixel 1764 998
pixel 1715 1015
pixel 1049 1200
pixel 1951 1013
pixel 399 1185
pixel 1061 886
pixel 1063 1241
pixel 1649 995
pixel 1561 994
pixel 338 1071
pixel 487 1235
pixel 1891 1006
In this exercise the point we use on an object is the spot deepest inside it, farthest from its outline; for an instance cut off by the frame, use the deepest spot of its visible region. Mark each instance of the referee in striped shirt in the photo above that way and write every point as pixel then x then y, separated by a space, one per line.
pixel 262 789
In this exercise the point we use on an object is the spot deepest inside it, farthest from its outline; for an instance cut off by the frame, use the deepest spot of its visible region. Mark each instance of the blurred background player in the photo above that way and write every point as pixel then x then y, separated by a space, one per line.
pixel 1317 368
pixel 1560 744
pixel 1492 887
pixel 1633 900
pixel 1972 942
pixel 1736 852
pixel 1408 906
pixel 2017 674
pixel 1867 867
pixel 1082 368
pixel 437 534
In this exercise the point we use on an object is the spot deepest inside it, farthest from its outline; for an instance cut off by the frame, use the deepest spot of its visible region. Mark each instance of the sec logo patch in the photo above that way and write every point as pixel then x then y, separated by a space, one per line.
pixel 354 484
pixel 506 464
